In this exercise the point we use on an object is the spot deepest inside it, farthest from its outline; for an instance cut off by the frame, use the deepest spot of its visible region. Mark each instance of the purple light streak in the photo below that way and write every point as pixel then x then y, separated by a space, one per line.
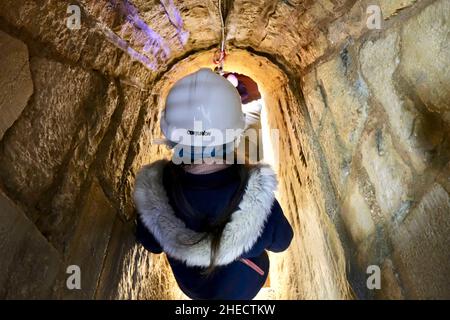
pixel 154 48
pixel 145 36
pixel 175 18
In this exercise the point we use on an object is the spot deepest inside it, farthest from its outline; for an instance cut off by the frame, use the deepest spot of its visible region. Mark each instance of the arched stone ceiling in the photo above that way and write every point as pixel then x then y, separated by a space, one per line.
pixel 293 31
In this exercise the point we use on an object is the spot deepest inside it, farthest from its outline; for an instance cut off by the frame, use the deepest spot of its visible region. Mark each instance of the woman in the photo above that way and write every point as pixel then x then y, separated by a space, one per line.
pixel 214 219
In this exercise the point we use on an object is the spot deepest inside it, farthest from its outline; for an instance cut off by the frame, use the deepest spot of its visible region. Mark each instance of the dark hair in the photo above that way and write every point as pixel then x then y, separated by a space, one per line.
pixel 215 230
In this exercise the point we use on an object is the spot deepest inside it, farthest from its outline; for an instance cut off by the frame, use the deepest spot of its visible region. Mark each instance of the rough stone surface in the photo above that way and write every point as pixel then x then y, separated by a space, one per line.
pixel 390 284
pixel 90 241
pixel 357 215
pixel 314 99
pixel 379 62
pixel 38 144
pixel 16 85
pixel 29 263
pixel 45 22
pixel 421 247
pixel 392 7
pixel 58 225
pixel 131 272
pixel 425 54
pixel 349 26
pixel 116 153
pixel 337 156
pixel 346 98
pixel 444 178
pixel 386 170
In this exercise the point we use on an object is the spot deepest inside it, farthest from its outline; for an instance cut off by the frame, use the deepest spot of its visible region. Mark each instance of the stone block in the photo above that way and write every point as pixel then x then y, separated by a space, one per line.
pixel 390 284
pixel 337 157
pixel 314 100
pixel 425 57
pixel 390 8
pixel 89 244
pixel 357 215
pixel 350 25
pixel 29 265
pixel 39 142
pixel 346 98
pixel 132 272
pixel 111 173
pixel 58 224
pixel 444 178
pixel 421 247
pixel 379 63
pixel 390 176
pixel 16 86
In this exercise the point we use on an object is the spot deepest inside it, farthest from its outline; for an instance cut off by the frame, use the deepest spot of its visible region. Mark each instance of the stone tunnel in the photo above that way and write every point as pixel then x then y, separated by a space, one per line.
pixel 358 90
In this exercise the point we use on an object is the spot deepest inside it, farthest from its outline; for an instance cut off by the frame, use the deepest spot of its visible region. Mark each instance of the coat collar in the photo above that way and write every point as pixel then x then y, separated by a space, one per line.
pixel 240 234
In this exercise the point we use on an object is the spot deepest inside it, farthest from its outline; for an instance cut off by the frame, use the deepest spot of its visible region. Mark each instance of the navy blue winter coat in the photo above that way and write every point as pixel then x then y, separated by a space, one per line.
pixel 258 225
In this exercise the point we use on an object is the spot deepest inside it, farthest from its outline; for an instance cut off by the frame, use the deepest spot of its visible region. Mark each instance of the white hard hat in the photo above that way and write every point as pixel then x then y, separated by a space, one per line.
pixel 200 110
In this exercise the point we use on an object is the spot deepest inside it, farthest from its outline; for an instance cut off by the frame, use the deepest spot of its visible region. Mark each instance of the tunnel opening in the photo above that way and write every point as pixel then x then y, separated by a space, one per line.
pixel 314 266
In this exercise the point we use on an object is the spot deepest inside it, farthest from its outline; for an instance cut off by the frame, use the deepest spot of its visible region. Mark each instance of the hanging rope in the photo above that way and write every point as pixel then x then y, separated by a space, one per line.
pixel 220 54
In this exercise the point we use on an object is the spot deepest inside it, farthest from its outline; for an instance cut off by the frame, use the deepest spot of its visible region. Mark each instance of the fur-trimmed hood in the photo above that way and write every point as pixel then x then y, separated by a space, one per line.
pixel 240 234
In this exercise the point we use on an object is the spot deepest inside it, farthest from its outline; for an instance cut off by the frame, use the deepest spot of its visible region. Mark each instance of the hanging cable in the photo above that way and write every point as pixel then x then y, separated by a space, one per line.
pixel 220 54
pixel 222 46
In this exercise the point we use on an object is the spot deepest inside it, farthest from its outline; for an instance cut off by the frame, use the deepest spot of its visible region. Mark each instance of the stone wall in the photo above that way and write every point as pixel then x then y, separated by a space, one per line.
pixel 71 118
pixel 379 109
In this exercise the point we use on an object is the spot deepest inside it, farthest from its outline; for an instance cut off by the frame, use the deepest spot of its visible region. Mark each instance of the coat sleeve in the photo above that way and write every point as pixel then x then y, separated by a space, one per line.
pixel 282 232
pixel 146 238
